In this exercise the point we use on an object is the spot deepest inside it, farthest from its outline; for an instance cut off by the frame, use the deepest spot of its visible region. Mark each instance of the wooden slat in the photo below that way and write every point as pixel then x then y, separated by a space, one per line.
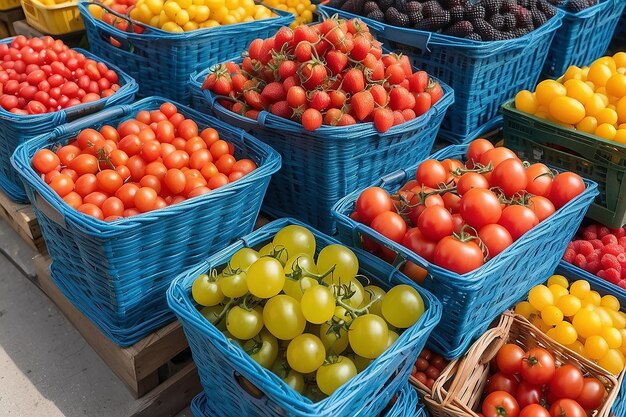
pixel 21 218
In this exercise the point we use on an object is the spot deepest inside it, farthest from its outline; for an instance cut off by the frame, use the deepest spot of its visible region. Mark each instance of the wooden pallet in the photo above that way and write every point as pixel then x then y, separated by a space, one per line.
pixel 148 368
pixel 21 218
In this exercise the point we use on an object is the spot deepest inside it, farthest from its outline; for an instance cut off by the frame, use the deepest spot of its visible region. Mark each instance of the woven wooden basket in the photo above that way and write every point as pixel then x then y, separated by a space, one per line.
pixel 458 391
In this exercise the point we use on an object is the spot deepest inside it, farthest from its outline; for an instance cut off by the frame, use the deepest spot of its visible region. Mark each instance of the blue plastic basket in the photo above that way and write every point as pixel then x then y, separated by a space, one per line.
pixel 162 61
pixel 473 300
pixel 322 166
pixel 406 405
pixel 583 37
pixel 221 362
pixel 15 129
pixel 116 273
pixel 482 74
pixel 603 287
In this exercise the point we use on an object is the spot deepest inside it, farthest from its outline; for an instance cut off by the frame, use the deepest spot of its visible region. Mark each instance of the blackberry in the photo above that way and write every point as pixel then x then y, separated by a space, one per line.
pixel 578 5
pixel 545 6
pixel 509 21
pixel 538 18
pixel 523 17
pixel 524 3
pixel 433 24
pixel 394 17
pixel 351 6
pixel 377 15
pixel 457 14
pixel 450 3
pixel 414 11
pixel 383 5
pixel 558 2
pixel 401 6
pixel 431 8
pixel 460 29
pixel 370 7
pixel 519 32
pixel 485 30
pixel 497 21
pixel 508 6
pixel 474 37
pixel 475 12
pixel 491 6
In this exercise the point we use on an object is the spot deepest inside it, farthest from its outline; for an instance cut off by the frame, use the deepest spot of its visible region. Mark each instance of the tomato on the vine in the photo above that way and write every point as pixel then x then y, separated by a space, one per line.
pixel 500 404
pixel 567 382
pixel 538 366
pixel 509 359
pixel 460 256
pixel 502 382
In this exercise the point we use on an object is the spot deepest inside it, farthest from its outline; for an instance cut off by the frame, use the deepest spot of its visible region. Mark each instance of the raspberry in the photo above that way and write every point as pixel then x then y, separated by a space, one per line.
pixel 622 241
pixel 619 232
pixel 610 261
pixel 596 243
pixel 593 267
pixel 590 232
pixel 576 245
pixel 621 258
pixel 580 261
pixel 593 256
pixel 622 283
pixel 569 255
pixel 603 231
pixel 609 239
pixel 585 247
pixel 612 275
pixel 623 273
pixel 613 249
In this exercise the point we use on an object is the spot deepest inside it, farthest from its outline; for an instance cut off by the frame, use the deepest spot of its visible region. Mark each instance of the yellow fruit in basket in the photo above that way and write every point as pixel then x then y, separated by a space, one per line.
pixel 566 110
pixel 558 280
pixel 619 321
pixel 607 115
pixel 95 11
pixel 564 333
pixel 620 136
pixel 172 27
pixel 163 19
pixel 551 315
pixel 612 362
pixel 219 14
pixel 580 289
pixel 202 14
pixel 594 105
pixel 525 309
pixel 599 73
pixel 184 4
pixel 190 26
pixel 610 302
pixel 569 305
pixel 144 13
pixel 181 18
pixel 620 107
pixel 547 90
pixel 596 347
pixel 154 21
pixel 538 322
pixel 612 336
pixel 588 125
pixel 155 6
pixel 605 317
pixel 578 90
pixel 606 131
pixel 171 8
pixel 587 323
pixel 557 292
pixel 577 347
pixel 540 297
pixel 526 101
pixel 608 61
pixel 620 59
pixel 573 73
pixel 592 298
pixel 215 4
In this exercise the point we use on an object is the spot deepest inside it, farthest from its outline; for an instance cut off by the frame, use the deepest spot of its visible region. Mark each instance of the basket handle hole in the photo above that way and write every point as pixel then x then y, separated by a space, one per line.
pixel 249 387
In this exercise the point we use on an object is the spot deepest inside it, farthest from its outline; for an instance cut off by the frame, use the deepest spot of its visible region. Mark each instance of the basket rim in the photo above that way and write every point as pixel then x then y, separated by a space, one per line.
pixel 68 4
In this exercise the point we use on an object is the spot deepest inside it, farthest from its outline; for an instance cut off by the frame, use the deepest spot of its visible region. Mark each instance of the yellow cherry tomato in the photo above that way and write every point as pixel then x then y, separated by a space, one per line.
pixel 578 90
pixel 526 101
pixel 620 136
pixel 588 125
pixel 547 90
pixel 607 115
pixel 558 280
pixel 587 323
pixel 577 347
pixel 613 362
pixel 525 309
pixel 569 305
pixel 566 110
pixel 610 302
pixel 594 105
pixel 606 131
pixel 599 73
pixel 564 333
pixel 573 73
pixel 540 297
pixel 551 315
pixel 612 336
pixel 596 347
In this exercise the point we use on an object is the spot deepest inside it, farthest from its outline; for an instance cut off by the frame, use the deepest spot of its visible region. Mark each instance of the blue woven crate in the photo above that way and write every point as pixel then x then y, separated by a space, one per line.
pixel 220 361
pixel 603 287
pixel 116 273
pixel 322 166
pixel 15 129
pixel 406 405
pixel 482 74
pixel 583 37
pixel 475 299
pixel 162 61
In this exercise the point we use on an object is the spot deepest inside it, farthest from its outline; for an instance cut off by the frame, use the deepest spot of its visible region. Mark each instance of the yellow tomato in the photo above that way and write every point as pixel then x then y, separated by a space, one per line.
pixel 526 101
pixel 182 17
pixel 209 24
pixel 172 27
pixel 620 59
pixel 564 333
pixel 578 90
pixel 171 8
pixel 190 26
pixel 616 85
pixel 610 302
pixel 566 110
pixel 184 4
pixel 594 105
pixel 155 6
pixel 202 14
pixel 612 336
pixel 219 14
pixel 215 4
pixel 96 11
pixel 608 61
pixel 606 131
pixel 620 136
pixel 596 347
pixel 163 19
pixel 547 90
pixel 577 347
pixel 621 110
pixel 573 73
pixel 558 280
pixel 599 73
pixel 525 309
pixel 607 115
pixel 588 125
pixel 155 21
pixel 613 362
pixel 230 19
pixel 569 305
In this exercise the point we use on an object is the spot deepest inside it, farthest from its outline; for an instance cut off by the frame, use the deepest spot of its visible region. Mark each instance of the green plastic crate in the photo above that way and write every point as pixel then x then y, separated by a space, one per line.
pixel 603 161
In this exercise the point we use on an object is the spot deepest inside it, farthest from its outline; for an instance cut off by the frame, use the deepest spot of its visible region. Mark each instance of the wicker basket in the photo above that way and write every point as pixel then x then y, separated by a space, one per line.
pixel 458 391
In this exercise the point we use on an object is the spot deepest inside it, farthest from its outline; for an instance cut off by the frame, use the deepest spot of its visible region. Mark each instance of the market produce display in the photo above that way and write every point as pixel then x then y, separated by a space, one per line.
pixel 575 5
pixel 332 73
pixel 485 20
pixel 428 367
pixel 310 320
pixel 43 75
pixel 590 99
pixel 150 162
pixel 579 318
pixel 459 215
pixel 531 384
pixel 600 251
pixel 302 9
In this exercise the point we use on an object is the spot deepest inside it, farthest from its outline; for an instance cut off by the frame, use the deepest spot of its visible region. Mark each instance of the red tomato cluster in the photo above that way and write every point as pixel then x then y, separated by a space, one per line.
pixel 428 367
pixel 147 163
pixel 458 215
pixel 529 384
pixel 41 75
pixel 600 251
pixel 333 73
pixel 122 7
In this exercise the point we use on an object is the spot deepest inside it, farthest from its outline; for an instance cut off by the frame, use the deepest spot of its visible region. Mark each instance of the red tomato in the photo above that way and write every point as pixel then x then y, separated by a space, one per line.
pixel 217 180
pixel 541 206
pixel 496 238
pixel 245 166
pixel 225 164
pixel 73 200
pixel 431 173
pixel 565 187
pixel 112 206
pixel 475 150
pixel 452 202
pixel 471 180
pixel 372 202
pixel 458 256
pixel 539 179
pixel 538 366
pixel 62 184
pixel 96 198
pixel 567 382
pixel 501 382
pixel 480 207
pixel 509 176
pixel 419 203
pixel 509 359
pixel 534 410
pixel 518 220
pixel 86 184
pixel 415 272
pixel 219 148
pixel 435 223
pixel 145 199
pixel 592 394
pixel 109 181
pixel 451 165
pixel 84 164
pixel 528 394
pixel 415 241
pixel 126 193
pixel 567 408
pixel 390 224
pixel 496 156
pixel 91 210
pixel 45 161
pixel 67 153
pixel 210 136
pixel 500 404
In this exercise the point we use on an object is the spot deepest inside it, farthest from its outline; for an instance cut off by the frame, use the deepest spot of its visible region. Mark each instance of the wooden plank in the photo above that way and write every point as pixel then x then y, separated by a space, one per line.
pixel 22 219
pixel 171 396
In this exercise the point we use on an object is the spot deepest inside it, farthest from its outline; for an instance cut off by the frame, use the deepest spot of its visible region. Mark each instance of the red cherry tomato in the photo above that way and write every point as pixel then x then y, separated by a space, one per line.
pixel 565 187
pixel 390 224
pixel 458 256
pixel 496 238
pixel 534 410
pixel 480 207
pixel 538 366
pixel 501 382
pixel 567 382
pixel 372 202
pixel 500 404
pixel 518 220
pixel 567 408
pixel 528 394
pixel 592 394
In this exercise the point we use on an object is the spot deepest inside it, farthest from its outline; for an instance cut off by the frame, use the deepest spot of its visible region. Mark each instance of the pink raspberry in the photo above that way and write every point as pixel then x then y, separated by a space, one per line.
pixel 569 255
pixel 623 274
pixel 613 249
pixel 576 245
pixel 609 239
pixel 580 261
pixel 593 257
pixel 612 275
pixel 621 258
pixel 622 283
pixel 603 231
pixel 619 232
pixel 622 241
pixel 610 261
pixel 585 247
pixel 596 243
pixel 594 266
pixel 590 232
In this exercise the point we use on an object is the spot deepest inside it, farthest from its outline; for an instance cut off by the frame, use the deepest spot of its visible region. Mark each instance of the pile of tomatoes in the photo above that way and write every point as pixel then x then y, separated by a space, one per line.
pixel 458 215
pixel 529 383
pixel 157 159
pixel 308 319
pixel 42 75
pixel 428 367
pixel 332 73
